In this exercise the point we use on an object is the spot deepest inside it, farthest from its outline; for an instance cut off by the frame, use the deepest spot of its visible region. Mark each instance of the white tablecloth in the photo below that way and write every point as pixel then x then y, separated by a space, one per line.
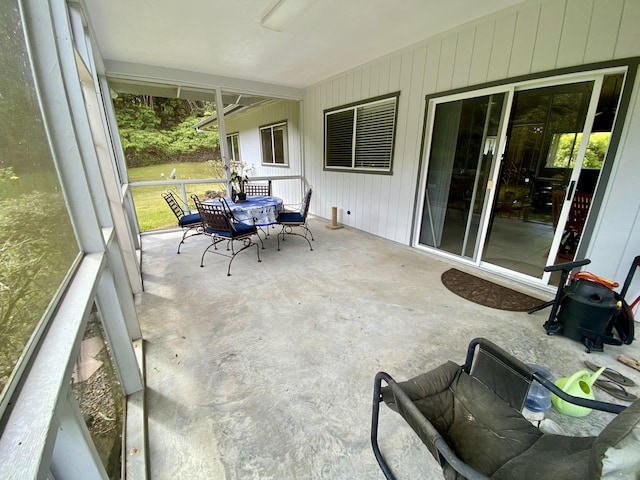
pixel 259 211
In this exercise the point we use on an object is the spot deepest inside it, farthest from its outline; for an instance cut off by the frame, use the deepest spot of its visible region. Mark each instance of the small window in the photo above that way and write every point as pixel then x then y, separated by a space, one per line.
pixel 360 136
pixel 234 147
pixel 274 144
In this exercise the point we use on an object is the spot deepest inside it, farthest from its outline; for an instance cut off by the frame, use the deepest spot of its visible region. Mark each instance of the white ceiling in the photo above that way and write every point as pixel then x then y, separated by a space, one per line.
pixel 224 37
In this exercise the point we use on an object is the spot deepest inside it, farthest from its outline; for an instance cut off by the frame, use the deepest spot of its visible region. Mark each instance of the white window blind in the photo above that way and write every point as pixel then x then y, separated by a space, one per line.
pixel 361 136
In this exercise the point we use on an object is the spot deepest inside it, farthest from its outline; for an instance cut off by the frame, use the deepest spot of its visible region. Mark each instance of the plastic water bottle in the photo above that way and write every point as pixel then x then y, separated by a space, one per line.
pixel 538 397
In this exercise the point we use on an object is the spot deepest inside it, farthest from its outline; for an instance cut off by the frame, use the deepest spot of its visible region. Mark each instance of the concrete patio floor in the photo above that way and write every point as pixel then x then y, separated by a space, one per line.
pixel 268 374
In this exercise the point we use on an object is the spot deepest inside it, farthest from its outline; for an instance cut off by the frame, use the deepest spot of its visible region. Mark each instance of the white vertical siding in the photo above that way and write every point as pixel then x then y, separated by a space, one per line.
pixel 501 47
pixel 617 238
pixel 463 54
pixel 247 124
pixel 629 33
pixel 602 41
pixel 447 62
pixel 483 38
pixel 536 37
pixel 524 40
pixel 431 67
pixel 575 31
pixel 548 34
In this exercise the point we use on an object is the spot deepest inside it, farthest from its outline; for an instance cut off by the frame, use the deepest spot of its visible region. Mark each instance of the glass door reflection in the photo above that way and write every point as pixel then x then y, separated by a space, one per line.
pixel 463 146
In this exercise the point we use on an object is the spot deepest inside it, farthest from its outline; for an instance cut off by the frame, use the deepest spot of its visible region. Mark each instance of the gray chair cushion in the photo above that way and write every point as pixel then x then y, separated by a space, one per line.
pixel 552 456
pixel 616 451
pixel 483 431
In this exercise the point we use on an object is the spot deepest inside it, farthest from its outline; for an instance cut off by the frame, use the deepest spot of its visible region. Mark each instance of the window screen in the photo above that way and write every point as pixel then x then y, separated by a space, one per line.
pixel 38 246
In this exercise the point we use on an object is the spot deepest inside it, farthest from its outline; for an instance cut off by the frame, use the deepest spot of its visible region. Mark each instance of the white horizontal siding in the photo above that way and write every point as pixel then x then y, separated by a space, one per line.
pixel 536 37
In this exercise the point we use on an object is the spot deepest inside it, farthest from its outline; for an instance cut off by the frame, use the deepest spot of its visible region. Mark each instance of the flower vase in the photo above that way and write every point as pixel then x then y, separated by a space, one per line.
pixel 242 197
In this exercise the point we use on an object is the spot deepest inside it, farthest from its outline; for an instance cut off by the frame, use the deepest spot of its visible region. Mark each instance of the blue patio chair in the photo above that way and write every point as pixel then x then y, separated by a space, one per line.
pixel 189 222
pixel 290 220
pixel 259 190
pixel 220 226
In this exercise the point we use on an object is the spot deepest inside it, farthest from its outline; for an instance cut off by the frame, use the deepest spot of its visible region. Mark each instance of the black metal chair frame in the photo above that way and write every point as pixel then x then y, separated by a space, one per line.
pixel 258 189
pixel 511 385
pixel 189 229
pixel 287 226
pixel 220 226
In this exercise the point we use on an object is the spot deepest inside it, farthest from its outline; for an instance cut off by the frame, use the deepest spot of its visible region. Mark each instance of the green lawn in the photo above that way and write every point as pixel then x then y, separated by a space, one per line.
pixel 152 211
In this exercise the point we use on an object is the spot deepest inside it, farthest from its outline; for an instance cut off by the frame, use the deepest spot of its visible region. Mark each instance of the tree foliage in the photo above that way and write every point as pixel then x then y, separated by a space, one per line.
pixel 31 268
pixel 568 147
pixel 157 130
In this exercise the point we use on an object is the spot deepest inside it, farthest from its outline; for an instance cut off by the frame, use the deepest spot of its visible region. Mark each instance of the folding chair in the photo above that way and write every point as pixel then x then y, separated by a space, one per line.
pixel 468 416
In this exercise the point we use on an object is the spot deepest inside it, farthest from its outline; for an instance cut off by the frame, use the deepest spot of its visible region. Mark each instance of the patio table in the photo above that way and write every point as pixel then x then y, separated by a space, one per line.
pixel 257 210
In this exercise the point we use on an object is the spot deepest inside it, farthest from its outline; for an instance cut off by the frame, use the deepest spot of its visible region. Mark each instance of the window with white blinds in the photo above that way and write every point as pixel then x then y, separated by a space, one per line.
pixel 360 136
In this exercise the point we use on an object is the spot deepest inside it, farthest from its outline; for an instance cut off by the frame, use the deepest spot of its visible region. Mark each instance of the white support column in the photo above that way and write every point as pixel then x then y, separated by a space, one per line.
pixel 119 270
pixel 222 134
pixel 120 165
pixel 114 324
pixel 74 454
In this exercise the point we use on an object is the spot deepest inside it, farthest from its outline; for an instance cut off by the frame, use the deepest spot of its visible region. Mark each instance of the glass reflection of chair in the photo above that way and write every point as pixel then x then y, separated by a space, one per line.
pixel 190 223
pixel 220 226
pixel 292 219
pixel 258 189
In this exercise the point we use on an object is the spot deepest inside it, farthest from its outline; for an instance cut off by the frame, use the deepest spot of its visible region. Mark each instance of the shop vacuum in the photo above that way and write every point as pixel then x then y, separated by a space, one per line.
pixel 587 309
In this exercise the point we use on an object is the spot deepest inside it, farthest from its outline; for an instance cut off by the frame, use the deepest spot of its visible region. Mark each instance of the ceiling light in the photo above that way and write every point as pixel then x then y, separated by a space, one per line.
pixel 283 13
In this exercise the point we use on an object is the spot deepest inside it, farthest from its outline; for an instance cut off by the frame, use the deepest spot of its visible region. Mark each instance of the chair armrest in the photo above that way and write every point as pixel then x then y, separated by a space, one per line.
pixel 430 436
pixel 583 402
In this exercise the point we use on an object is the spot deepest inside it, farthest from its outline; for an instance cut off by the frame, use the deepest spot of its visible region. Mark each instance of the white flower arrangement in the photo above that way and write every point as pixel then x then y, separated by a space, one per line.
pixel 239 175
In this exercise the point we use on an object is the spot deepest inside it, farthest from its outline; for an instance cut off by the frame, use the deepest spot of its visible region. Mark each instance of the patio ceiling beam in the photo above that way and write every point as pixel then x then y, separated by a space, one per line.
pixel 139 73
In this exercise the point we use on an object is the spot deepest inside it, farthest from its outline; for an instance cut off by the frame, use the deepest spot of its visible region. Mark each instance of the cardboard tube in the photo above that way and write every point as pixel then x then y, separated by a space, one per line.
pixel 334 219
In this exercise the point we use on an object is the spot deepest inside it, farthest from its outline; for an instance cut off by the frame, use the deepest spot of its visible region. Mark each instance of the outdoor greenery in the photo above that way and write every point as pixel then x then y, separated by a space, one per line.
pixel 28 277
pixel 568 149
pixel 159 143
pixel 155 131
pixel 152 211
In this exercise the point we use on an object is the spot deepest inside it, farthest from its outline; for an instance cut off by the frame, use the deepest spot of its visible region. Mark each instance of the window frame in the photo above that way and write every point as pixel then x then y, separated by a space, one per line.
pixel 234 148
pixel 285 144
pixel 356 107
pixel 44 428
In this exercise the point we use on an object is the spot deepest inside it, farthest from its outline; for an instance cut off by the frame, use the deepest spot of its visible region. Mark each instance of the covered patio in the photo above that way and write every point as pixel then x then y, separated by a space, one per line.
pixel 269 373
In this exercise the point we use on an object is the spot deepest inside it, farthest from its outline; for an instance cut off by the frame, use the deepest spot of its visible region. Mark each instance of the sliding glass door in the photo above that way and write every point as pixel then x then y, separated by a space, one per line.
pixel 511 174
pixel 462 154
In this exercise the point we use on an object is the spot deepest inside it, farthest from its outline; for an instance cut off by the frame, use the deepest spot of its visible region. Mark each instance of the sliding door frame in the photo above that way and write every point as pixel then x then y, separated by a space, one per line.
pixel 593 73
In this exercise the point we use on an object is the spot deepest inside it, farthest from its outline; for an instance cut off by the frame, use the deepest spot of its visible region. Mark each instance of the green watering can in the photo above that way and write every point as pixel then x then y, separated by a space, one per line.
pixel 578 385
